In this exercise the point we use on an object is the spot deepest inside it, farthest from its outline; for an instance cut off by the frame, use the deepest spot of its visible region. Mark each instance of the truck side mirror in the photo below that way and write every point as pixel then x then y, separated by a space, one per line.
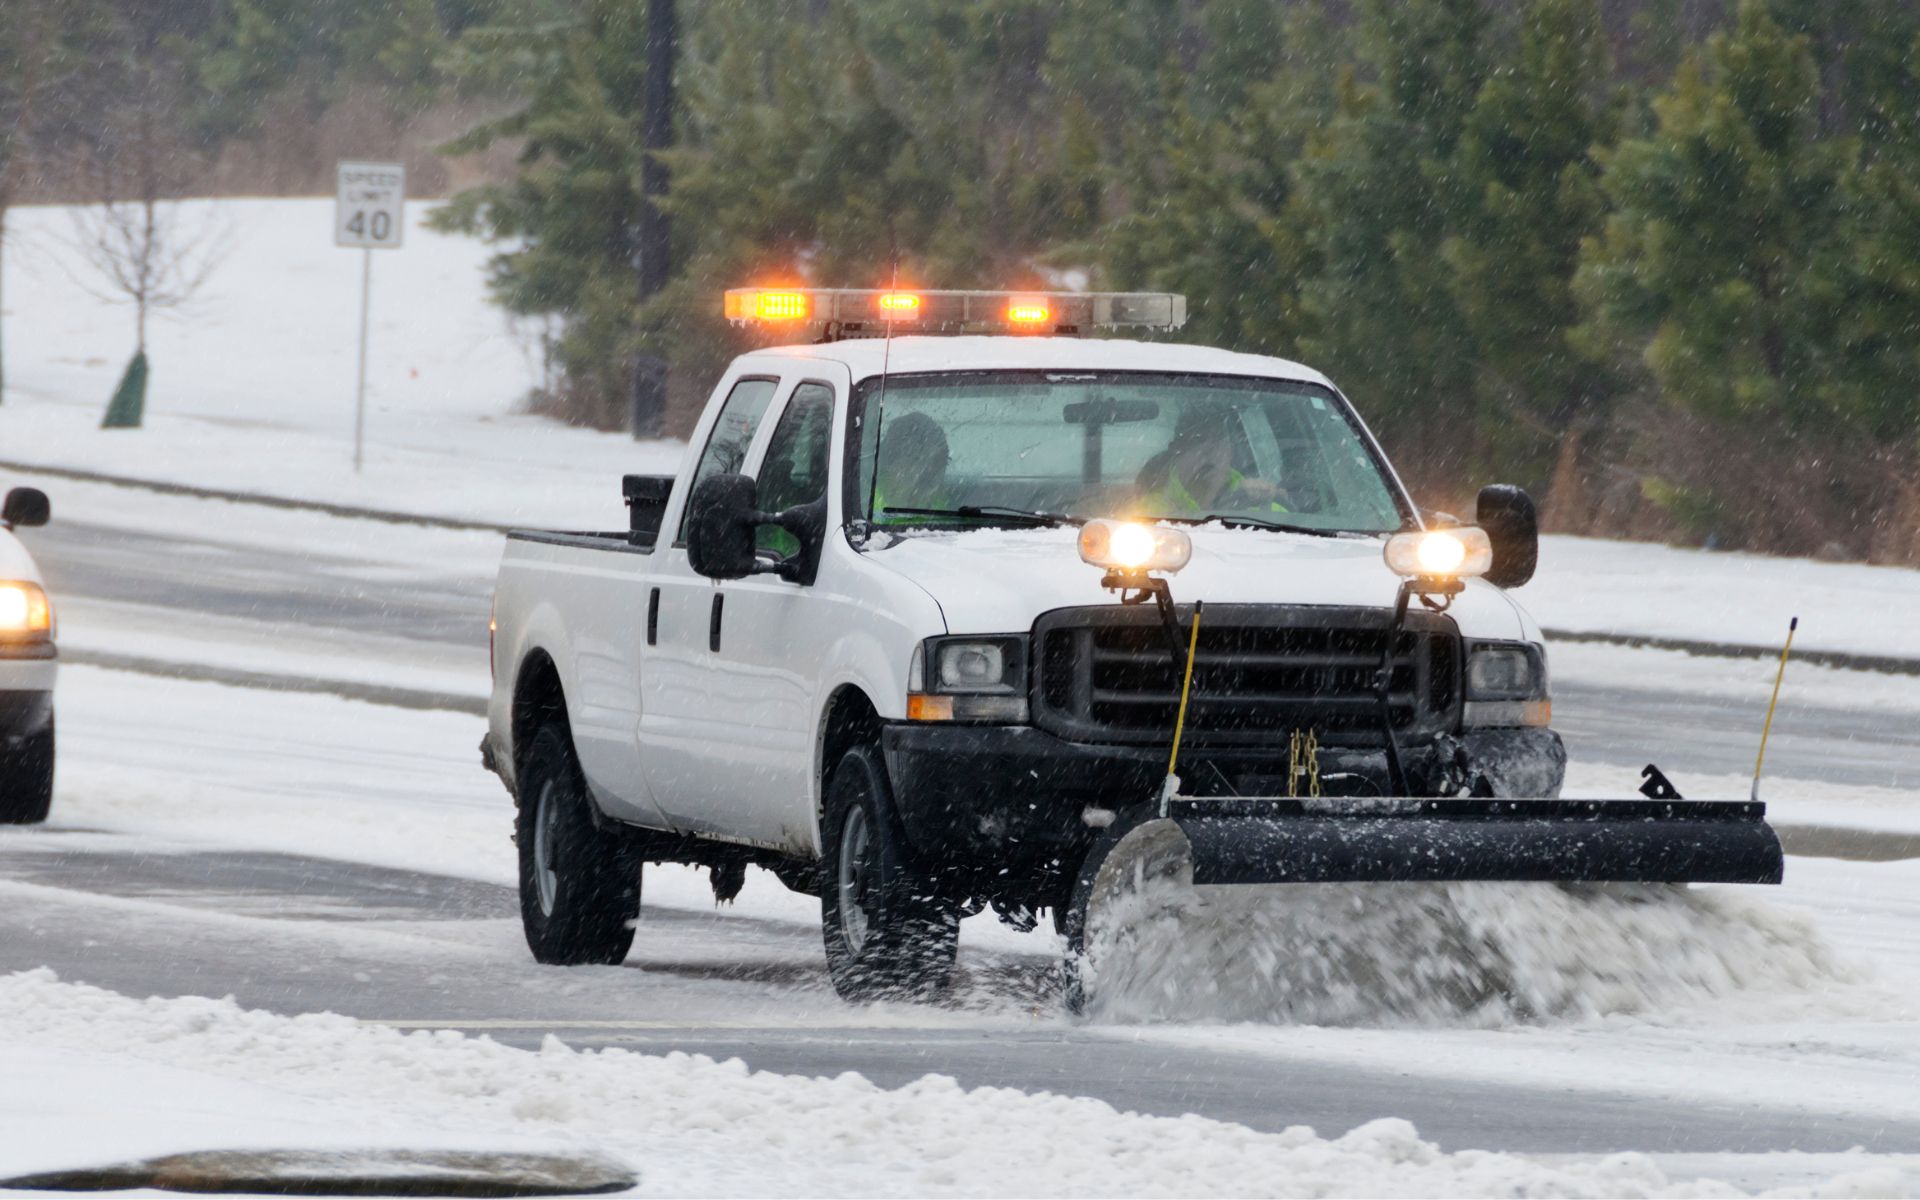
pixel 1513 526
pixel 24 507
pixel 722 514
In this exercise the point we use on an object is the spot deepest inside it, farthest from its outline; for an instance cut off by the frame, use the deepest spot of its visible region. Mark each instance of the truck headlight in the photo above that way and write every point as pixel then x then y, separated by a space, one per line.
pixel 1506 685
pixel 969 679
pixel 24 611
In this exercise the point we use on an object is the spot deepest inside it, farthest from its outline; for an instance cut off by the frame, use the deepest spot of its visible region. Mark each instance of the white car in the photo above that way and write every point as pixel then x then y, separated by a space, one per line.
pixel 916 628
pixel 27 667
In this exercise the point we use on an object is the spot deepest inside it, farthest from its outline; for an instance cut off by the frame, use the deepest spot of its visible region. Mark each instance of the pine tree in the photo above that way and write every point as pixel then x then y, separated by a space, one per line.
pixel 570 207
pixel 1530 193
pixel 1721 269
pixel 1719 253
pixel 1381 193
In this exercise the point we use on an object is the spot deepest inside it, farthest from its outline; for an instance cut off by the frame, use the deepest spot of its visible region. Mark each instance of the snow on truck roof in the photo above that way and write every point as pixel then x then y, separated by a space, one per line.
pixel 863 357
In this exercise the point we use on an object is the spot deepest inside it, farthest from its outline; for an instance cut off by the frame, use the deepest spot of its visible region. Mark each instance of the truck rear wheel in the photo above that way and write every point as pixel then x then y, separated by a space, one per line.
pixel 26 779
pixel 579 887
pixel 887 932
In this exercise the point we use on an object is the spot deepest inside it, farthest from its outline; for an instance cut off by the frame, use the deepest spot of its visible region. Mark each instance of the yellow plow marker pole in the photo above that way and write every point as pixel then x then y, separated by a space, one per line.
pixel 1180 722
pixel 1771 704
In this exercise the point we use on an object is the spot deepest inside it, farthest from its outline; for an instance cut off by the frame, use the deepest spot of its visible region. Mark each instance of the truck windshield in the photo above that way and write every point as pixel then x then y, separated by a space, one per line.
pixel 1134 444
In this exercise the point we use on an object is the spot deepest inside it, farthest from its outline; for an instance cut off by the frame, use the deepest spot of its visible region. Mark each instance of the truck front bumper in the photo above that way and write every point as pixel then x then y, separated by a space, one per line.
pixel 1019 800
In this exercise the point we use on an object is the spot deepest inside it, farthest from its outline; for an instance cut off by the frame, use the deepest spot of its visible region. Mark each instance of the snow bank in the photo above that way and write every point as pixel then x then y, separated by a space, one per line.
pixel 1588 585
pixel 1478 955
pixel 691 1126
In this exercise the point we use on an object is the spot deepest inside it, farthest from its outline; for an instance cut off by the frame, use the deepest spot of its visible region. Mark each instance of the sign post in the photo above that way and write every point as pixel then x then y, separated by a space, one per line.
pixel 367 214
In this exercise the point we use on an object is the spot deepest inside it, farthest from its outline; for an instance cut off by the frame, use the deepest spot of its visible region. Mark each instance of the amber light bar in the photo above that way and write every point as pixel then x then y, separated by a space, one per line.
pixel 856 311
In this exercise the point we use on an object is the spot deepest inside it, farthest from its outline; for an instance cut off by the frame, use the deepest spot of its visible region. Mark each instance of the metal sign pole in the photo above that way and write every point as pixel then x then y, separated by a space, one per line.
pixel 368 214
pixel 360 396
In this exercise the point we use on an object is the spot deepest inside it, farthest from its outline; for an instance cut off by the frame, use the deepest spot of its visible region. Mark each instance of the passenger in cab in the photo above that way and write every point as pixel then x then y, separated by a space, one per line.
pixel 912 466
pixel 1195 477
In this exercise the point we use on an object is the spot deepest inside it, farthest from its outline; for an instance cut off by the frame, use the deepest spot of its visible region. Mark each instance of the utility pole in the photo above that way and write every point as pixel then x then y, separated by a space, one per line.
pixel 649 395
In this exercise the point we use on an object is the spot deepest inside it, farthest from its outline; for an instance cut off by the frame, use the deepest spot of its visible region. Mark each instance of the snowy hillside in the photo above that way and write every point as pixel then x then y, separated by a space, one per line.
pixel 253 381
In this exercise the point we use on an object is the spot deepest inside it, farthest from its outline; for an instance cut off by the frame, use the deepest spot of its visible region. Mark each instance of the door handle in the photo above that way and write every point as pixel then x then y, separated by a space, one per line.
pixel 653 617
pixel 713 621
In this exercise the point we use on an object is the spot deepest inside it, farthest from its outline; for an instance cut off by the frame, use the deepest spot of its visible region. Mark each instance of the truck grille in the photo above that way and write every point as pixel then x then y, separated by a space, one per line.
pixel 1261 671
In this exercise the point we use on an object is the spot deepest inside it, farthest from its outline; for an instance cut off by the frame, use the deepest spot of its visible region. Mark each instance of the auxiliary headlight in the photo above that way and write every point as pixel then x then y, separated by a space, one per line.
pixel 24 610
pixel 1133 546
pixel 1440 553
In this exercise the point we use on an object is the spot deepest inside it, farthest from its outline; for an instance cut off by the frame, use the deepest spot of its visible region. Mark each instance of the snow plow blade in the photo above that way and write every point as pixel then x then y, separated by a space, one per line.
pixel 1260 841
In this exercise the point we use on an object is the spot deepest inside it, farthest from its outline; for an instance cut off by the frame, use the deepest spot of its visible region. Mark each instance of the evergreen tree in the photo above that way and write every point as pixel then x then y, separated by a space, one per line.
pixel 1214 213
pixel 1720 250
pixel 1530 193
pixel 1381 193
pixel 570 208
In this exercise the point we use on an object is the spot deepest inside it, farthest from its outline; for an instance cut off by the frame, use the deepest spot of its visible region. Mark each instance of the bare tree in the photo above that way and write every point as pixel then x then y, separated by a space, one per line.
pixel 142 243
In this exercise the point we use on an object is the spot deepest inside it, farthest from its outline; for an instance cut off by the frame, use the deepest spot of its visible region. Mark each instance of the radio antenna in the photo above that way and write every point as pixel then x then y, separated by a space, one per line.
pixel 1768 727
pixel 880 406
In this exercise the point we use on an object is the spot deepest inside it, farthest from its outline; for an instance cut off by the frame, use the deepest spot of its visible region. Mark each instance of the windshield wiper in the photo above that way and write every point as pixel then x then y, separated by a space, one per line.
pixel 1020 515
pixel 1236 521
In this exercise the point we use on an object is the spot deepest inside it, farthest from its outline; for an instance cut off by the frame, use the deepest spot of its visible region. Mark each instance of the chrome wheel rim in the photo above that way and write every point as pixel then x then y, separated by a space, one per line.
pixel 546 880
pixel 856 837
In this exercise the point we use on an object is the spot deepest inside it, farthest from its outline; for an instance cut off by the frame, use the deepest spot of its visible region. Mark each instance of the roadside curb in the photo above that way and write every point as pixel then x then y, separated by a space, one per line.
pixel 1885 664
pixel 346 689
pixel 263 499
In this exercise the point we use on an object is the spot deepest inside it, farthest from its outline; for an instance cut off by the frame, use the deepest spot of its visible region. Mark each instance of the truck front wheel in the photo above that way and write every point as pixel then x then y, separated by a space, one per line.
pixel 887 932
pixel 579 887
pixel 26 779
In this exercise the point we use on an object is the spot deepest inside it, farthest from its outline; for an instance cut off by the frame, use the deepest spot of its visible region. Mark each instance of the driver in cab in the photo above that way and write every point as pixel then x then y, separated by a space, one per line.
pixel 912 466
pixel 1195 477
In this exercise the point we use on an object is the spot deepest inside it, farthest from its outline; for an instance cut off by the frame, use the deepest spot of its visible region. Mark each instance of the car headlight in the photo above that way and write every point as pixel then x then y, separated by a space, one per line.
pixel 24 611
pixel 1506 685
pixel 969 679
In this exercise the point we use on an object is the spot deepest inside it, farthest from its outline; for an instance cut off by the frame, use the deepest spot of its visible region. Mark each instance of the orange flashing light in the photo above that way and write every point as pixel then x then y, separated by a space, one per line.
pixel 780 306
pixel 899 306
pixel 1029 312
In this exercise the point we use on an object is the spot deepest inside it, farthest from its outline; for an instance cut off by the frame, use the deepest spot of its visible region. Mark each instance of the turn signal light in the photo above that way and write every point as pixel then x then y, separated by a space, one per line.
pixel 929 708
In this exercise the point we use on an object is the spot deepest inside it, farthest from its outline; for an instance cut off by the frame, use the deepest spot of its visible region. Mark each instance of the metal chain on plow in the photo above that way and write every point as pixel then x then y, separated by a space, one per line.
pixel 1307 748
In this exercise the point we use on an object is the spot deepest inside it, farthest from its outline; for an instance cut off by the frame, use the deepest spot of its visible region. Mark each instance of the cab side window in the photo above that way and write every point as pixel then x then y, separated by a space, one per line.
pixel 795 470
pixel 732 434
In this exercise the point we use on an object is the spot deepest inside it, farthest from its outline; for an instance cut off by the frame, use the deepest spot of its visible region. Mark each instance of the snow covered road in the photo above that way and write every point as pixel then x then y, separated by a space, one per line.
pixel 309 854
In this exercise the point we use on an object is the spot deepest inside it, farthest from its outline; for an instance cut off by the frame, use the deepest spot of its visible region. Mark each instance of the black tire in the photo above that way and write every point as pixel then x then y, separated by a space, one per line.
pixel 579 885
pixel 26 779
pixel 887 933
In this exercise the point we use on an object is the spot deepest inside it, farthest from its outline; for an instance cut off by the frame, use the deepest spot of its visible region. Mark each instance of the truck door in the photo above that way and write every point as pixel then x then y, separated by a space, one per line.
pixel 678 712
pixel 766 645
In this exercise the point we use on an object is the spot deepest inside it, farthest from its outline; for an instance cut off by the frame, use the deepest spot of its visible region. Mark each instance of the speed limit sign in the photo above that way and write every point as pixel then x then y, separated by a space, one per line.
pixel 367 213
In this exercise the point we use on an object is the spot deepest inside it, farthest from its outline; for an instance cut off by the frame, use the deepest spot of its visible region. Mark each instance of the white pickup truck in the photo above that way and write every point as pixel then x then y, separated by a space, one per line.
pixel 855 641
pixel 27 668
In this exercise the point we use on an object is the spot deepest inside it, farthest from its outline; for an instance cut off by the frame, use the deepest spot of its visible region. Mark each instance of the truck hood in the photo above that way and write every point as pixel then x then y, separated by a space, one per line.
pixel 1000 580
